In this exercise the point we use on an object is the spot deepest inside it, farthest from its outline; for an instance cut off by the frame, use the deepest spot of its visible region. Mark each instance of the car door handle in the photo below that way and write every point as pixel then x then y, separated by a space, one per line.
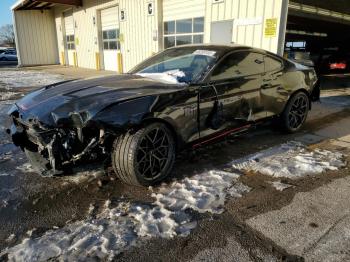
pixel 278 74
pixel 266 86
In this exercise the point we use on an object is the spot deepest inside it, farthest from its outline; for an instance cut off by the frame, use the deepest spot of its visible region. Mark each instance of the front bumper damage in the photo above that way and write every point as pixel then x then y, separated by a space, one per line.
pixel 60 147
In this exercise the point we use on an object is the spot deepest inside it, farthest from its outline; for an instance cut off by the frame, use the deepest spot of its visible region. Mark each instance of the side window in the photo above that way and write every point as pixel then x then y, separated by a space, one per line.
pixel 243 63
pixel 171 64
pixel 272 64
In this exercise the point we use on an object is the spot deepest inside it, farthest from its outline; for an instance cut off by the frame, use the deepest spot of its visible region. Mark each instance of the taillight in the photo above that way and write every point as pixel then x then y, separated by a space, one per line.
pixel 340 65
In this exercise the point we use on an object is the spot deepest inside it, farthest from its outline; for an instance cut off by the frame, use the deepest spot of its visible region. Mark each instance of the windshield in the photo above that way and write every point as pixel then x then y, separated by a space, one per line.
pixel 181 65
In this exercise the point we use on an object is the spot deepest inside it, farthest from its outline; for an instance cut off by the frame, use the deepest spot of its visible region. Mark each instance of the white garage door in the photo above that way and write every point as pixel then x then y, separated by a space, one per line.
pixel 69 38
pixel 110 38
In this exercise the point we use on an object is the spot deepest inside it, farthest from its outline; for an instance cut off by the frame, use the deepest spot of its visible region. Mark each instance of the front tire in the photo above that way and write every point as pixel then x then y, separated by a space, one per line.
pixel 145 157
pixel 295 113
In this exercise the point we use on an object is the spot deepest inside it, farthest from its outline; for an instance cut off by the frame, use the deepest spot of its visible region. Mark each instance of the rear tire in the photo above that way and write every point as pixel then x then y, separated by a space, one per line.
pixel 295 113
pixel 145 157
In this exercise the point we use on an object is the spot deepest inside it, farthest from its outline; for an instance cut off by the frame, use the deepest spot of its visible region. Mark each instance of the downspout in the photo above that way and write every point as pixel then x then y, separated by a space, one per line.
pixel 19 52
pixel 159 11
pixel 283 27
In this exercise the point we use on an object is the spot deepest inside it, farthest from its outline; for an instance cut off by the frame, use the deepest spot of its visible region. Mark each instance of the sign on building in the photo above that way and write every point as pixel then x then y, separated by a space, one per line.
pixel 270 27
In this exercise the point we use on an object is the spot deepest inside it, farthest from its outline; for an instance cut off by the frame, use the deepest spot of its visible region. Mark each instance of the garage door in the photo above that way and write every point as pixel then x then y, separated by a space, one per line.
pixel 69 37
pixel 319 33
pixel 110 37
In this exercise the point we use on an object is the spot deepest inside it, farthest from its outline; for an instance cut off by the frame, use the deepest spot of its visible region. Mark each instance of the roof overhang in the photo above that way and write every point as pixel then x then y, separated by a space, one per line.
pixel 43 4
pixel 318 13
pixel 340 6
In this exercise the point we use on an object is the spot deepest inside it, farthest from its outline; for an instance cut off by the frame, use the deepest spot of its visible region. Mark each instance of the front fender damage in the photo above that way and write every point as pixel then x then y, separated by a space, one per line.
pixel 78 138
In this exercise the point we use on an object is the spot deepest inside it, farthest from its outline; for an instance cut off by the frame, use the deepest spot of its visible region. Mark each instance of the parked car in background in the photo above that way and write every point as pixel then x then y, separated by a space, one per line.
pixel 182 97
pixel 8 55
pixel 338 63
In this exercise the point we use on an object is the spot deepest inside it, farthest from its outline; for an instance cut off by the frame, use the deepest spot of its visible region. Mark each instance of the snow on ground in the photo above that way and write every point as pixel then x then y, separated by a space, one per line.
pixel 6 174
pixel 17 78
pixel 120 225
pixel 4 106
pixel 278 185
pixel 291 160
pixel 204 192
pixel 116 229
pixel 8 95
pixel 26 167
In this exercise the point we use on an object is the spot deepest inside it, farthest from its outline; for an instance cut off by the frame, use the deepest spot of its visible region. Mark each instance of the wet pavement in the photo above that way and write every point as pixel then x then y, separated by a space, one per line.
pixel 31 205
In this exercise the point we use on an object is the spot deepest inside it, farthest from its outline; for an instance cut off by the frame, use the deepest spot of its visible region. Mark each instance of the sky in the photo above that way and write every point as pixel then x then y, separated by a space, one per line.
pixel 5 12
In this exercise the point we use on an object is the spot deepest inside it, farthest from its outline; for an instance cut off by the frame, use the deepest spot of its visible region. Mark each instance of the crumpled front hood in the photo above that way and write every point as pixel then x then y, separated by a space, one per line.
pixel 90 96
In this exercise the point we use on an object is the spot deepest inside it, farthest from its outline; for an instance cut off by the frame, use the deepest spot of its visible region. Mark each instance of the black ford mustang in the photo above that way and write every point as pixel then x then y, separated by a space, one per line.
pixel 183 96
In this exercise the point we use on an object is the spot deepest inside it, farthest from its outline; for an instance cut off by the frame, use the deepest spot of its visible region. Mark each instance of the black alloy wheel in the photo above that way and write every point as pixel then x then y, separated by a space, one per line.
pixel 144 157
pixel 298 112
pixel 153 153
pixel 295 113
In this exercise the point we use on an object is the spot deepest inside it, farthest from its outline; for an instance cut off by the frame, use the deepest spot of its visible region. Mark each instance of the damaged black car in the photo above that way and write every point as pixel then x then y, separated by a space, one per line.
pixel 182 97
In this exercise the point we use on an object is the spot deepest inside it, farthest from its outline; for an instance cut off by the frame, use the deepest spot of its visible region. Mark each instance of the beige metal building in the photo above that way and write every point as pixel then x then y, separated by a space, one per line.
pixel 117 34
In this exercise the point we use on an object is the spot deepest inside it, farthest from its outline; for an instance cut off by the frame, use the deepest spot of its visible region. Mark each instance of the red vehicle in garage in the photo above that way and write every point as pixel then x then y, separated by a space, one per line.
pixel 338 63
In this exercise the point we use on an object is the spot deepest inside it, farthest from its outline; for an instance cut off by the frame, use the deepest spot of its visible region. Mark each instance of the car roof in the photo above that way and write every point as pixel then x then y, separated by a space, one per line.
pixel 212 46
pixel 223 49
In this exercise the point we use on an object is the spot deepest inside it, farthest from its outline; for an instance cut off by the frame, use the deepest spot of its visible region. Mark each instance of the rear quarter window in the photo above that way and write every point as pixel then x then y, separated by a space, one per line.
pixel 237 64
pixel 272 64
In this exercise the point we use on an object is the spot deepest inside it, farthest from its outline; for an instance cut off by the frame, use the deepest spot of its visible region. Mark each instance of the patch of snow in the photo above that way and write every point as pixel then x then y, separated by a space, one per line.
pixel 238 189
pixel 4 107
pixel 5 174
pixel 26 167
pixel 10 238
pixel 291 160
pixel 7 95
pixel 168 77
pixel 278 185
pixel 17 78
pixel 114 230
pixel 91 209
pixel 204 192
pixel 4 203
pixel 82 176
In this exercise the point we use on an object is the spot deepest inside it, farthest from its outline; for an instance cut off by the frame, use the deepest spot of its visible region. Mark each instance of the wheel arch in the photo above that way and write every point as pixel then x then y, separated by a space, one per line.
pixel 179 142
pixel 303 90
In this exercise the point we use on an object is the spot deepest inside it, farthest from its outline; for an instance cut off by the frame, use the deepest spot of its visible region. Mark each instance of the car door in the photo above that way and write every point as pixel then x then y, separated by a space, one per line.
pixel 234 85
pixel 273 92
pixel 10 56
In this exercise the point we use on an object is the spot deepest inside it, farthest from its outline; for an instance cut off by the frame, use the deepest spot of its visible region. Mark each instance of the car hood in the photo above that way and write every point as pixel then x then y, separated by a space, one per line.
pixel 89 96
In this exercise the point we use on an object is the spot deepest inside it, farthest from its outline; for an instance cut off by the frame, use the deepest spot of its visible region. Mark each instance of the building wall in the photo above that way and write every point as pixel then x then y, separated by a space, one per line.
pixel 36 31
pixel 42 37
pixel 249 18
pixel 247 29
pixel 136 31
pixel 181 9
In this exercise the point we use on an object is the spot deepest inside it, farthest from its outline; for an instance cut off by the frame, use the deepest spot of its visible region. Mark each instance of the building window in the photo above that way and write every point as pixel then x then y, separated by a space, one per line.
pixel 183 32
pixel 70 42
pixel 111 39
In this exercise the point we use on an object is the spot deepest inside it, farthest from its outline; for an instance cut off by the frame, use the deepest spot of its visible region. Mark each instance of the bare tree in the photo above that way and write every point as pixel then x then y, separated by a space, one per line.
pixel 7 36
